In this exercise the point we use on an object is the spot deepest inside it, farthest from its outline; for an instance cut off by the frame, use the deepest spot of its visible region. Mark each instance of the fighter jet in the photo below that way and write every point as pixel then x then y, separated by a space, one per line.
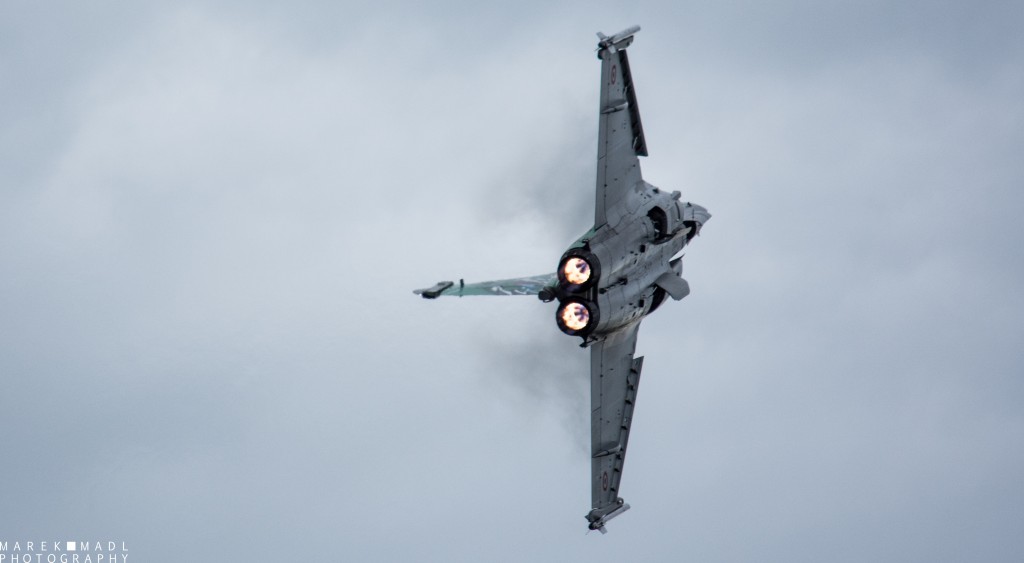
pixel 614 275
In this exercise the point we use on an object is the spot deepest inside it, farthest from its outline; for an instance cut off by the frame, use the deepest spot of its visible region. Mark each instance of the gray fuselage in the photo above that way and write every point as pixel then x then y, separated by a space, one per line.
pixel 630 253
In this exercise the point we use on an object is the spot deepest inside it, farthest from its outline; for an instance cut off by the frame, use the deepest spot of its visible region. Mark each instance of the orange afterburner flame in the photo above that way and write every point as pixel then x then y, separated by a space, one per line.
pixel 575 316
pixel 576 270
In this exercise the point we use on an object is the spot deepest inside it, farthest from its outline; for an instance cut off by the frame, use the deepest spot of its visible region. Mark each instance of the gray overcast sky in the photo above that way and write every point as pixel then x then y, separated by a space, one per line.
pixel 212 215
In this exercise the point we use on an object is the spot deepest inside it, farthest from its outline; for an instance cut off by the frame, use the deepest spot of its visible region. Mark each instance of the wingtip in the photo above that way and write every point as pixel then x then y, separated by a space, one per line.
pixel 598 518
pixel 434 291
pixel 605 41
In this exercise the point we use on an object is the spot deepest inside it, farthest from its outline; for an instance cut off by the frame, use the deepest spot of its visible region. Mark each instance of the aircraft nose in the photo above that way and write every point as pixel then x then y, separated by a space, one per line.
pixel 698 213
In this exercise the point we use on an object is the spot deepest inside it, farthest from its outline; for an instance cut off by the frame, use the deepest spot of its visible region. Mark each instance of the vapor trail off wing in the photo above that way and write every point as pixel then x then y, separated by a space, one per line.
pixel 614 378
pixel 515 286
pixel 620 133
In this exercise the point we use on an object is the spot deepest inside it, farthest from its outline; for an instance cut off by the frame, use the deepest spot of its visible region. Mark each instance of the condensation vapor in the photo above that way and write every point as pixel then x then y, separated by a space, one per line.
pixel 550 185
pixel 548 371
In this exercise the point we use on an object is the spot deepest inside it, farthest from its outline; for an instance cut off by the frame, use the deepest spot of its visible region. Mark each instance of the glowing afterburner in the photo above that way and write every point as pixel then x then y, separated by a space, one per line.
pixel 576 270
pixel 575 316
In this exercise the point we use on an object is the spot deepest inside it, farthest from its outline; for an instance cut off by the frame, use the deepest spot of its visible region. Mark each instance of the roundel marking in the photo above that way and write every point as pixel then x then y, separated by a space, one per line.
pixel 604 481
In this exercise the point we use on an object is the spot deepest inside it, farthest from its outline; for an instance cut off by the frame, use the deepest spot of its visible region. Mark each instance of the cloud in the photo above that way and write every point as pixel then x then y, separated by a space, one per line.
pixel 212 220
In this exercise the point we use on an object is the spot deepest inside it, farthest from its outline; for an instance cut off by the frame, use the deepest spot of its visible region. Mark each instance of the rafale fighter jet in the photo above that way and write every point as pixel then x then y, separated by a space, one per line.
pixel 612 277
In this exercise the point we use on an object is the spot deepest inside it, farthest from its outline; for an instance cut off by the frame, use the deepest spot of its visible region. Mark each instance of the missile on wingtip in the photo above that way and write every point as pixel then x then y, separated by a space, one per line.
pixel 624 34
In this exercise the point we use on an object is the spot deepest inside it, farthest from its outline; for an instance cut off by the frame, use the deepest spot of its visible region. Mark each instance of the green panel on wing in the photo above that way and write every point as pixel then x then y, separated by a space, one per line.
pixel 516 286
